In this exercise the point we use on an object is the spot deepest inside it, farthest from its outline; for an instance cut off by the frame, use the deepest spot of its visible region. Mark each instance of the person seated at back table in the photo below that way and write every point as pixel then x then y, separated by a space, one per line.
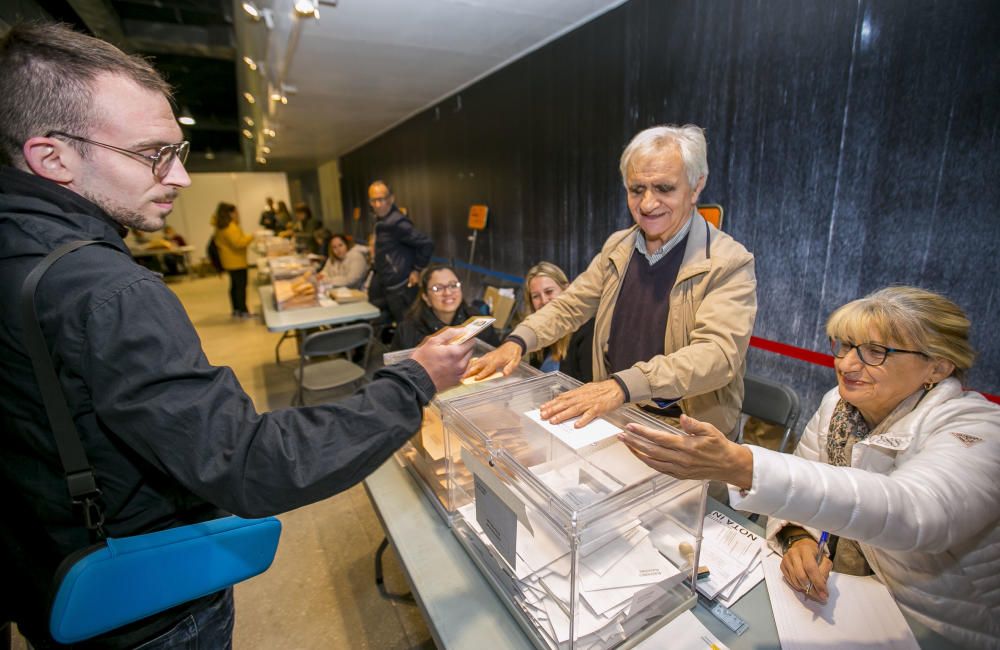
pixel 899 463
pixel 571 354
pixel 346 266
pixel 439 304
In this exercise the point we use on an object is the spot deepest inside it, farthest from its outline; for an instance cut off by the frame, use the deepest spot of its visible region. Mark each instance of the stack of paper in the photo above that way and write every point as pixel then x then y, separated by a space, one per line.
pixel 732 554
pixel 859 613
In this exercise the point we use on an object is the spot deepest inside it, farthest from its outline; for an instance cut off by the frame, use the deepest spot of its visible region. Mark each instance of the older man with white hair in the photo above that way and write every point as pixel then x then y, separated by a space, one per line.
pixel 673 298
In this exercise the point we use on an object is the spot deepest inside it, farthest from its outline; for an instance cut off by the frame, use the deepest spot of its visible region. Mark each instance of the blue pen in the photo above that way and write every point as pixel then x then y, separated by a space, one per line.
pixel 823 539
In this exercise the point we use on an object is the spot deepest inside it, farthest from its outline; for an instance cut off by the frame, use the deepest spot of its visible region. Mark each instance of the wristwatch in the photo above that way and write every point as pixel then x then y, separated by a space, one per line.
pixel 791 539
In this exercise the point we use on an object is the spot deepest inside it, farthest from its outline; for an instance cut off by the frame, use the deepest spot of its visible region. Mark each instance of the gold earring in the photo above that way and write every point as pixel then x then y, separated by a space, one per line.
pixel 929 385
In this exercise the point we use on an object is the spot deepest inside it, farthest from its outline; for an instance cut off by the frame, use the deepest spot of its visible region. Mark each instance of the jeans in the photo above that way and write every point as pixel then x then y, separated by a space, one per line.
pixel 238 290
pixel 209 628
pixel 206 626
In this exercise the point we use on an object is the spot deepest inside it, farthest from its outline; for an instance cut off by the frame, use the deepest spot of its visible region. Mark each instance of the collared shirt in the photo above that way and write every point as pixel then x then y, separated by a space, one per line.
pixel 657 255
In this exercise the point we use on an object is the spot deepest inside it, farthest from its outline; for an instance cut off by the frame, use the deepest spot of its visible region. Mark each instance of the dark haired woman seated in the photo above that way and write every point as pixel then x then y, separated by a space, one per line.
pixel 439 304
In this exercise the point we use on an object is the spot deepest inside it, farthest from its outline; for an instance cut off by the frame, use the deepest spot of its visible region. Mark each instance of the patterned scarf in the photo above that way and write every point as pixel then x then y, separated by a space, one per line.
pixel 847 426
pixel 846 423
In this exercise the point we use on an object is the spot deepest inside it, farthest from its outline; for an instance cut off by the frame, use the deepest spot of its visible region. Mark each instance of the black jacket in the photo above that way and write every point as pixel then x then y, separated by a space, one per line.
pixel 172 438
pixel 412 330
pixel 399 249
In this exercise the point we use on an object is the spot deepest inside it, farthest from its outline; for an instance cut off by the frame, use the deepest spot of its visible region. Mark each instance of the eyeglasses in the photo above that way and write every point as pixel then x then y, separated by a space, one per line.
pixel 161 161
pixel 451 286
pixel 870 354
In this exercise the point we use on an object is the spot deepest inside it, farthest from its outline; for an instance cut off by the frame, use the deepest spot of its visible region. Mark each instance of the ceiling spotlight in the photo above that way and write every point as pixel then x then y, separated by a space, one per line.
pixel 262 160
pixel 249 98
pixel 250 63
pixel 266 149
pixel 248 120
pixel 306 9
pixel 284 99
pixel 185 117
pixel 247 134
pixel 209 154
pixel 270 133
pixel 276 96
pixel 256 14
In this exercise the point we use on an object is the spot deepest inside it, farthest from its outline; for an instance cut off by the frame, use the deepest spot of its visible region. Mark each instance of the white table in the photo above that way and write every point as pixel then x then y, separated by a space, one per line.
pixel 292 321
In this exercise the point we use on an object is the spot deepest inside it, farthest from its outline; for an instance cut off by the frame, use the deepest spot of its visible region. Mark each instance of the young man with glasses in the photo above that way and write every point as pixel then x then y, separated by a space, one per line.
pixel 91 147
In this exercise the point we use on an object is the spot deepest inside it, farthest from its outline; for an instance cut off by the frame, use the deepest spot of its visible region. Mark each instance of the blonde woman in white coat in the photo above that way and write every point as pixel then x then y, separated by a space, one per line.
pixel 899 462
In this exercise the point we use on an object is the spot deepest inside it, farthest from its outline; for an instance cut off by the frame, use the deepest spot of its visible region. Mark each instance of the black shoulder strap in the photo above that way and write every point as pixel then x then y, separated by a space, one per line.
pixel 79 474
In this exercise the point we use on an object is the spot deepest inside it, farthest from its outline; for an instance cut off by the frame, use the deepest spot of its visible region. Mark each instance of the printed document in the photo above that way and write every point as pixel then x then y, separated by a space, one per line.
pixel 860 613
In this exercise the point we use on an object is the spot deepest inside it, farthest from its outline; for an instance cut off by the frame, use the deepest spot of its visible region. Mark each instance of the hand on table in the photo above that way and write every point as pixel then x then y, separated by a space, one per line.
pixel 504 358
pixel 443 361
pixel 413 279
pixel 589 401
pixel 702 454
pixel 801 571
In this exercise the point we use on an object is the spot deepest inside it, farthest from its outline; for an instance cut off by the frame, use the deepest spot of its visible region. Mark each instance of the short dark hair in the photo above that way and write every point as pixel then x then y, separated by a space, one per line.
pixel 47 72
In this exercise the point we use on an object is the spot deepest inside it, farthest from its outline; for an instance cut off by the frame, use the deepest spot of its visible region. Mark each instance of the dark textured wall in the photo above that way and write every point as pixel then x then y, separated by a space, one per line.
pixel 853 145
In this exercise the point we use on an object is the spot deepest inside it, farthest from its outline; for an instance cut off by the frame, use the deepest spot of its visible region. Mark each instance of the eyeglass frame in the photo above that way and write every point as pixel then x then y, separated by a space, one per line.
pixel 183 145
pixel 439 288
pixel 857 349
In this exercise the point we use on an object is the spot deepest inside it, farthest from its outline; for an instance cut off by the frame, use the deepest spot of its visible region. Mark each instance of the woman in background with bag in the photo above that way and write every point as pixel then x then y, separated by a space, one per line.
pixel 232 243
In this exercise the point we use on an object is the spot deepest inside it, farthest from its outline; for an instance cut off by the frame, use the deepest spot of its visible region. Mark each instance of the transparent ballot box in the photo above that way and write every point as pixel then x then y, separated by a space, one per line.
pixel 587 546
pixel 427 455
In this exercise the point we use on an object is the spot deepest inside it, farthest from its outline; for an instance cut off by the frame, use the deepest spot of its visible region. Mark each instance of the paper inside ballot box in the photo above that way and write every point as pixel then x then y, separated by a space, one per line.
pixel 430 439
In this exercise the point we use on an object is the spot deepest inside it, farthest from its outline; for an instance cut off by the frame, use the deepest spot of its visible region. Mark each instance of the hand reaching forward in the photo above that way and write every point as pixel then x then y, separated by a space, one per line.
pixel 505 358
pixel 443 361
pixel 704 453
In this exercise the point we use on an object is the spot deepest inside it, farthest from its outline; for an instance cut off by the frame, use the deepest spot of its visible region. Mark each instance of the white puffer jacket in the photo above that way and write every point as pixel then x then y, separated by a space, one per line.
pixel 922 499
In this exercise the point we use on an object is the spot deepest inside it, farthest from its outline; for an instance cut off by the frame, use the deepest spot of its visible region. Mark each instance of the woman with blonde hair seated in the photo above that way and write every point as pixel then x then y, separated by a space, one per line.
pixel 900 464
pixel 571 354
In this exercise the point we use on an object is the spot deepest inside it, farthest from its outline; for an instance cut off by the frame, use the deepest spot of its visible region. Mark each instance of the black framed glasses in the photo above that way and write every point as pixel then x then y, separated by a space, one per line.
pixel 161 162
pixel 451 286
pixel 870 354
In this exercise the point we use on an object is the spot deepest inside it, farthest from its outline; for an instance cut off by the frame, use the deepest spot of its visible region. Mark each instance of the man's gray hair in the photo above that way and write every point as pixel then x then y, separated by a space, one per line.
pixel 653 141
pixel 47 72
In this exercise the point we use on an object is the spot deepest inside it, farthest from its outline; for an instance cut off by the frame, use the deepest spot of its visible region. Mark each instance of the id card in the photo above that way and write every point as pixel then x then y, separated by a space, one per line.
pixel 470 328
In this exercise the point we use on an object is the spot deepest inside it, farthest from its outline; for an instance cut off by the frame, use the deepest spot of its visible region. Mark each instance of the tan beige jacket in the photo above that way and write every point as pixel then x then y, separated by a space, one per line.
pixel 712 308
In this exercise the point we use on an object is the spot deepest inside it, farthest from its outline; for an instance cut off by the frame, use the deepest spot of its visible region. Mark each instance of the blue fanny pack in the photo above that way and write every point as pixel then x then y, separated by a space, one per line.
pixel 122 580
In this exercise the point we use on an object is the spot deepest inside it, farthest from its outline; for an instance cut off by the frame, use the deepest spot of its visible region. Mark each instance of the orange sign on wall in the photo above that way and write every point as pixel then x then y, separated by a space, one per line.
pixel 477 216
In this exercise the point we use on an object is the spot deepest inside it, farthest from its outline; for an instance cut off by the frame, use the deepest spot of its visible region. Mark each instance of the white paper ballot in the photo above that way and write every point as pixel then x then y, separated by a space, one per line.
pixel 860 613
pixel 685 632
pixel 728 550
pixel 594 432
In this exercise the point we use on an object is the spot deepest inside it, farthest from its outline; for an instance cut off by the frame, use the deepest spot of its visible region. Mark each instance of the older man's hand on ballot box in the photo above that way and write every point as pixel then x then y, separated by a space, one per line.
pixel 443 360
pixel 589 402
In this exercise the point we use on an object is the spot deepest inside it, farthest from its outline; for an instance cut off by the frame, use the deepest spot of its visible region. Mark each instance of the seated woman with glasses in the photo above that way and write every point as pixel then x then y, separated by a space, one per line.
pixel 439 304
pixel 899 464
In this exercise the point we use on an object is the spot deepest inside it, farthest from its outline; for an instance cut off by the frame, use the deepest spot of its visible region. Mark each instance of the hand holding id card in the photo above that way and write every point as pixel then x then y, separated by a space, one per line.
pixel 470 328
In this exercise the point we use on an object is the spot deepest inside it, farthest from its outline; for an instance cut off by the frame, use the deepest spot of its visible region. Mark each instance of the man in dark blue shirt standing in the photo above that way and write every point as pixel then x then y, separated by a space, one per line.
pixel 401 251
